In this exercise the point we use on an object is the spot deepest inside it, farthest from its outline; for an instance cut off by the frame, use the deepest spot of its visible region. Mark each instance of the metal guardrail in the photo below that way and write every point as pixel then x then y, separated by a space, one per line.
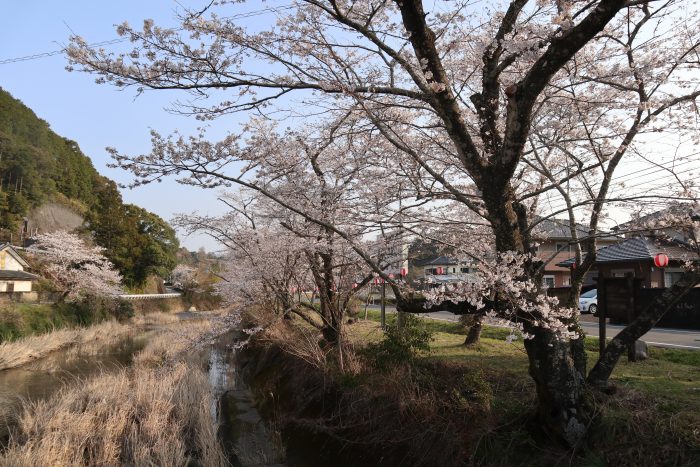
pixel 149 296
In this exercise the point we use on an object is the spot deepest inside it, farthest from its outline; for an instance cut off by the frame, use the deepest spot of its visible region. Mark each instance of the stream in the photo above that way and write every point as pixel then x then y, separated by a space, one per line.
pixel 44 377
pixel 242 431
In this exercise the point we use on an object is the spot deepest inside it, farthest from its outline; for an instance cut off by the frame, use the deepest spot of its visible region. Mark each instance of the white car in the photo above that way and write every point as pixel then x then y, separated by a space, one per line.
pixel 588 302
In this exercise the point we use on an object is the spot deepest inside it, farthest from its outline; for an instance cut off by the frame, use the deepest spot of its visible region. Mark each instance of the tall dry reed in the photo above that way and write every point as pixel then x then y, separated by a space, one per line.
pixel 139 416
pixel 23 351
pixel 158 412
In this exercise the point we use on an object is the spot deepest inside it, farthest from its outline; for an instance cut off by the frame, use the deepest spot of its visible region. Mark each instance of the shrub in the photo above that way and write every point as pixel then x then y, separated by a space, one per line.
pixel 400 343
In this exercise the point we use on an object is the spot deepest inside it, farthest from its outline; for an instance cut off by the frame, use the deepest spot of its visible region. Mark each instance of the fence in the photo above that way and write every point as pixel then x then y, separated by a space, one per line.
pixel 624 299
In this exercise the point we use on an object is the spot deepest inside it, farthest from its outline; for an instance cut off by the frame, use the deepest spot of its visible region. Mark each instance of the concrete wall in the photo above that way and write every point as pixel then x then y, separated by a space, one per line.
pixel 24 297
pixel 19 286
pixel 50 217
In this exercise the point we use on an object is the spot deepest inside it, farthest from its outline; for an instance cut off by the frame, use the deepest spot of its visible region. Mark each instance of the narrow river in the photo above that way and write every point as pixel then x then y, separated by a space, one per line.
pixel 243 433
pixel 44 377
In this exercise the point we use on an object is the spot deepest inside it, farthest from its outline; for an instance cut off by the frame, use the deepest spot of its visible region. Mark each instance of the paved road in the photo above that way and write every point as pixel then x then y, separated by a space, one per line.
pixel 660 337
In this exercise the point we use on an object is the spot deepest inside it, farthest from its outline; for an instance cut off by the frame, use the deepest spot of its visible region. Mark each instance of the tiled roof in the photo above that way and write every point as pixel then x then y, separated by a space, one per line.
pixel 17 275
pixel 556 228
pixel 678 210
pixel 637 249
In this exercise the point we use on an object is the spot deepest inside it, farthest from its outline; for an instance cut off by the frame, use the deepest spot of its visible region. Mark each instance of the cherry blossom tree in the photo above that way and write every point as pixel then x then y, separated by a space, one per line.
pixel 76 269
pixel 500 108
pixel 184 277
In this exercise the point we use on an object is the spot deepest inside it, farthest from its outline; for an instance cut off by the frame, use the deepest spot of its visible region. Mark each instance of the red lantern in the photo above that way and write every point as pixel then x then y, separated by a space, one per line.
pixel 661 260
pixel 439 270
pixel 404 272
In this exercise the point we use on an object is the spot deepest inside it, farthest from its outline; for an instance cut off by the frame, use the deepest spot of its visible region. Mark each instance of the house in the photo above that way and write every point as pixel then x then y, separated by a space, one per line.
pixel 636 255
pixel 556 246
pixel 661 223
pixel 13 277
pixel 442 269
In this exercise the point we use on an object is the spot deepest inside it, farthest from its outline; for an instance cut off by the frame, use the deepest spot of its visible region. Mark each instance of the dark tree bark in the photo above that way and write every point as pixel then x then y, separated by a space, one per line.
pixel 561 390
pixel 474 334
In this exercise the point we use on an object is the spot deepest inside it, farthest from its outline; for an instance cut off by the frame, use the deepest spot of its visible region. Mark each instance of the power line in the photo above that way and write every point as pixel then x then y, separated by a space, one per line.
pixel 27 58
pixel 561 205
pixel 52 53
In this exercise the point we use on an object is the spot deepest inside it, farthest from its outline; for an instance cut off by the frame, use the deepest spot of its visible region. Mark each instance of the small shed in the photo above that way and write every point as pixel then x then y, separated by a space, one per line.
pixel 635 257
pixel 13 277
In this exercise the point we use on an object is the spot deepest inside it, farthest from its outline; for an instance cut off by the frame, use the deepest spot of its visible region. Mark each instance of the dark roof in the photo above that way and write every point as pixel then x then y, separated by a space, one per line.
pixel 437 261
pixel 678 210
pixel 637 249
pixel 556 228
pixel 17 275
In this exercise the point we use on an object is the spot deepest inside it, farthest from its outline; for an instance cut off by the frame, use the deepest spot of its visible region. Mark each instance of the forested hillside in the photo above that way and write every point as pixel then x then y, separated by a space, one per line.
pixel 37 165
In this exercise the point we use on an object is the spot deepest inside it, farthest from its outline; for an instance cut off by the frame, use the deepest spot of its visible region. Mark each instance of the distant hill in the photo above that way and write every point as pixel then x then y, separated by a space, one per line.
pixel 46 178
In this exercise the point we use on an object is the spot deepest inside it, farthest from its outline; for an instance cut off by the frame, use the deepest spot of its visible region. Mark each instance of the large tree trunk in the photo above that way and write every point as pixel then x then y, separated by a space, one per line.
pixel 557 365
pixel 561 391
pixel 474 334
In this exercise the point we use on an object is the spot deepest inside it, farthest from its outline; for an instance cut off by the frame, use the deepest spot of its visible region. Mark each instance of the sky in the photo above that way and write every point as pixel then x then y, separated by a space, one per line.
pixel 97 116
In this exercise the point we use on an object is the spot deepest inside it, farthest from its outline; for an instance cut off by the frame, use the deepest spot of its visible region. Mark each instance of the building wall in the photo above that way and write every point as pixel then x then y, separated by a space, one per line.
pixel 20 286
pixel 651 276
pixel 8 263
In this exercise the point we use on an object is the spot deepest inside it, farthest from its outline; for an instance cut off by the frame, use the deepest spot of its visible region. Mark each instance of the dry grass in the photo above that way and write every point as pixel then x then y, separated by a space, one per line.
pixel 169 344
pixel 23 351
pixel 143 416
pixel 158 412
pixel 154 319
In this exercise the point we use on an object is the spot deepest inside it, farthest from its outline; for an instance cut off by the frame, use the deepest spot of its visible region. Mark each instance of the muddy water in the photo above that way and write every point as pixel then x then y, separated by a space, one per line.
pixel 242 431
pixel 42 378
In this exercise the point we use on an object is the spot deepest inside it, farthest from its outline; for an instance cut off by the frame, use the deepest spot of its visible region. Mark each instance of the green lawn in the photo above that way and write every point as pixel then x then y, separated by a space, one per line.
pixel 655 409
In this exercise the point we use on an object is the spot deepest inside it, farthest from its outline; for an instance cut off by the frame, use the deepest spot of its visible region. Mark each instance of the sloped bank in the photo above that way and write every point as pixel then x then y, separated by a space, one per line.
pixel 422 414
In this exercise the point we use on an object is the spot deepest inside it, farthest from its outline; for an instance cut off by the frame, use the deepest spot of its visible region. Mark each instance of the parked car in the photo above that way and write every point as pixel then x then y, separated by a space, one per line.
pixel 588 301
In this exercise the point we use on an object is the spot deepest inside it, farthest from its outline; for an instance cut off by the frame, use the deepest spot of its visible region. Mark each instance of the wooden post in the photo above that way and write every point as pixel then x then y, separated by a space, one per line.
pixel 629 286
pixel 383 306
pixel 602 311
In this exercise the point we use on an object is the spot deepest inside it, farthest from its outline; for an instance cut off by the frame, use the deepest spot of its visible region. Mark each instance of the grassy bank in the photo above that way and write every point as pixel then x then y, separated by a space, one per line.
pixel 157 412
pixel 457 405
pixel 41 339
pixel 22 351
pixel 18 320
pixel 652 419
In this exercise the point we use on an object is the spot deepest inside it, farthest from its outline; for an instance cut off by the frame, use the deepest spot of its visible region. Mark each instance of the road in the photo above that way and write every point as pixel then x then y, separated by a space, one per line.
pixel 659 337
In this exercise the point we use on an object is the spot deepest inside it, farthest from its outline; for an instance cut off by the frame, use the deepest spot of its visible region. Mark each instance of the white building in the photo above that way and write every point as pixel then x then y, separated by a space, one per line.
pixel 13 277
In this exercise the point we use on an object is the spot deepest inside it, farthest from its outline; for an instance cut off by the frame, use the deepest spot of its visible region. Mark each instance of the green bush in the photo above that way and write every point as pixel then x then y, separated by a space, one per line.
pixel 19 320
pixel 401 344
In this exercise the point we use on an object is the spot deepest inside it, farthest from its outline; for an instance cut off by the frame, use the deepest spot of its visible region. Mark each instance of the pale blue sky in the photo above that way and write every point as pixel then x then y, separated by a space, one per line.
pixel 94 115
pixel 97 116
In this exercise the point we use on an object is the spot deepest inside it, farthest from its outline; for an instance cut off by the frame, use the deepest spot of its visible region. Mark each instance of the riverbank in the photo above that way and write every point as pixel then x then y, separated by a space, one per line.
pixel 22 351
pixel 158 411
pixel 458 405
